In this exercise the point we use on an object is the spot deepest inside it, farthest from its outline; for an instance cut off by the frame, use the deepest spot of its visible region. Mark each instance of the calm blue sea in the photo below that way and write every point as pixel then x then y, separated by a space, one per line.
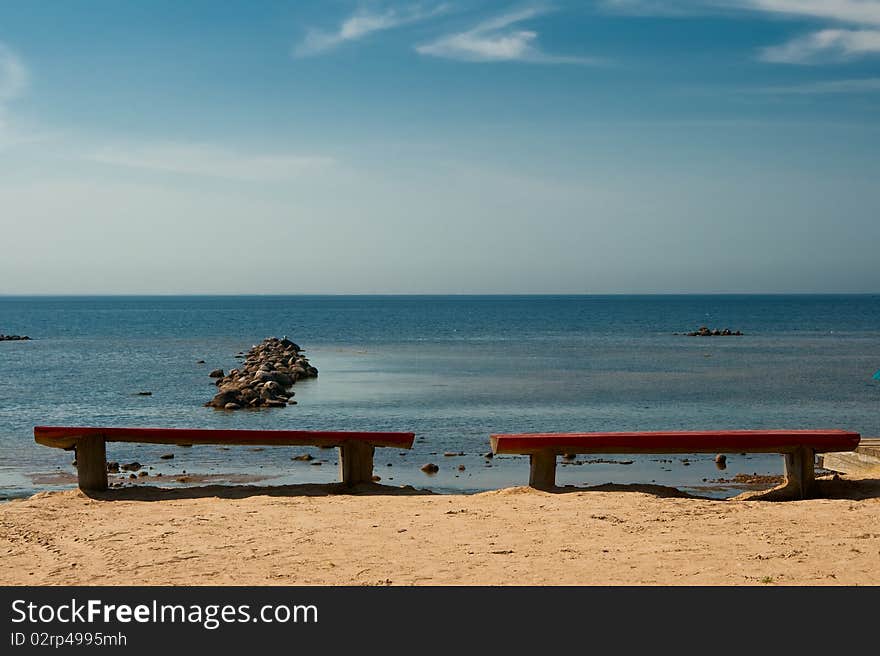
pixel 452 369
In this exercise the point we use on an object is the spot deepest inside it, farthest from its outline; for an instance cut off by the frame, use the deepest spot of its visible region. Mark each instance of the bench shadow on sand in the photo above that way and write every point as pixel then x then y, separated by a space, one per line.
pixel 853 489
pixel 661 491
pixel 152 493
pixel 857 489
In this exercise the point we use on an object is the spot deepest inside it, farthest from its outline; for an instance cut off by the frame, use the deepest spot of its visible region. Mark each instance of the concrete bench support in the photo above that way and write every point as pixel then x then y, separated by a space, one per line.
pixel 356 463
pixel 800 472
pixel 542 470
pixel 91 463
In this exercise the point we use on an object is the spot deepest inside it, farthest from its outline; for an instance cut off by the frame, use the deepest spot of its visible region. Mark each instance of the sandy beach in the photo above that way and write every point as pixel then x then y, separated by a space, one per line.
pixel 311 535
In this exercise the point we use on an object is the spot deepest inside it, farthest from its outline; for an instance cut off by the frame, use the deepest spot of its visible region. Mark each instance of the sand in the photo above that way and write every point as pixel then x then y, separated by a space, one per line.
pixel 305 535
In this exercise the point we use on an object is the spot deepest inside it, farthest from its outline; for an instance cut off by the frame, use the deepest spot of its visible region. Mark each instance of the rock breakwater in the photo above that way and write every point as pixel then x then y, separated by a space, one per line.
pixel 705 331
pixel 265 377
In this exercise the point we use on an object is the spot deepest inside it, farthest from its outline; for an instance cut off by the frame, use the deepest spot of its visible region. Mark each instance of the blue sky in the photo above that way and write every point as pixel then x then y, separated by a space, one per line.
pixel 628 146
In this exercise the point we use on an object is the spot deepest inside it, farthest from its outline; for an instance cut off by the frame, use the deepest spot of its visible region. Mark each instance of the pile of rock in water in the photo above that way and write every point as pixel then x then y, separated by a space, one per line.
pixel 704 331
pixel 13 338
pixel 268 372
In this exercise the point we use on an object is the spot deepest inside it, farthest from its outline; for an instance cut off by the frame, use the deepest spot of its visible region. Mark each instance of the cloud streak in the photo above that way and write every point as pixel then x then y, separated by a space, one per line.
pixel 860 12
pixel 362 24
pixel 853 28
pixel 670 8
pixel 14 79
pixel 498 40
pixel 825 87
pixel 13 74
pixel 841 11
pixel 859 36
pixel 210 161
pixel 824 45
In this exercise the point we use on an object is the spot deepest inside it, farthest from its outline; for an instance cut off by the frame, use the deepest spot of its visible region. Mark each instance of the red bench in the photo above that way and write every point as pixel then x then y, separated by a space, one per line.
pixel 355 448
pixel 798 446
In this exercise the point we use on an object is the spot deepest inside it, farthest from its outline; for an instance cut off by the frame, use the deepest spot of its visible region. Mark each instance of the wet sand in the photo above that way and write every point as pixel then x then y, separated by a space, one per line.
pixel 381 535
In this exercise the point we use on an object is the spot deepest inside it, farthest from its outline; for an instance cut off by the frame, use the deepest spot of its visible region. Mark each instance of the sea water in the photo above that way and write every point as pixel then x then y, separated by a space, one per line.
pixel 452 369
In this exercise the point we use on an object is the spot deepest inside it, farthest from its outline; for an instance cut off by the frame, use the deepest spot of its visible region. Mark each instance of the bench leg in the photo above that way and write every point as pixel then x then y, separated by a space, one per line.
pixel 800 472
pixel 542 470
pixel 91 463
pixel 356 463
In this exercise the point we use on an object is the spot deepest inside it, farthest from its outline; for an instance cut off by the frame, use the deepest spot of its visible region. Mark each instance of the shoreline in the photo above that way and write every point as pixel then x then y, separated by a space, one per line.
pixel 381 535
pixel 726 484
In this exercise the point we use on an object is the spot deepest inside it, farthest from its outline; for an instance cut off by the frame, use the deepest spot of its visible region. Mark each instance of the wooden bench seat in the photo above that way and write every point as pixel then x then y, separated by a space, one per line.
pixel 798 446
pixel 355 448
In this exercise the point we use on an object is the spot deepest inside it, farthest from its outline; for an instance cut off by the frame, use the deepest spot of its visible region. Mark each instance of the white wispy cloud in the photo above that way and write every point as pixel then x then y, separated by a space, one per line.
pixel 499 39
pixel 661 7
pixel 823 87
pixel 858 34
pixel 843 11
pixel 852 26
pixel 362 24
pixel 824 45
pixel 209 160
pixel 13 74
pixel 14 78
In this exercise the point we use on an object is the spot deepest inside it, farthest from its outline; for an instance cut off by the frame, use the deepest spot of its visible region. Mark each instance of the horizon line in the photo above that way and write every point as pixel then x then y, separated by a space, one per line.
pixel 417 294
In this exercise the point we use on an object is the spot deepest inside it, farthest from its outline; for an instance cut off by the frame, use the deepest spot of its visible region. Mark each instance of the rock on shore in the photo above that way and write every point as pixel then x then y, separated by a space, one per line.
pixel 268 372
